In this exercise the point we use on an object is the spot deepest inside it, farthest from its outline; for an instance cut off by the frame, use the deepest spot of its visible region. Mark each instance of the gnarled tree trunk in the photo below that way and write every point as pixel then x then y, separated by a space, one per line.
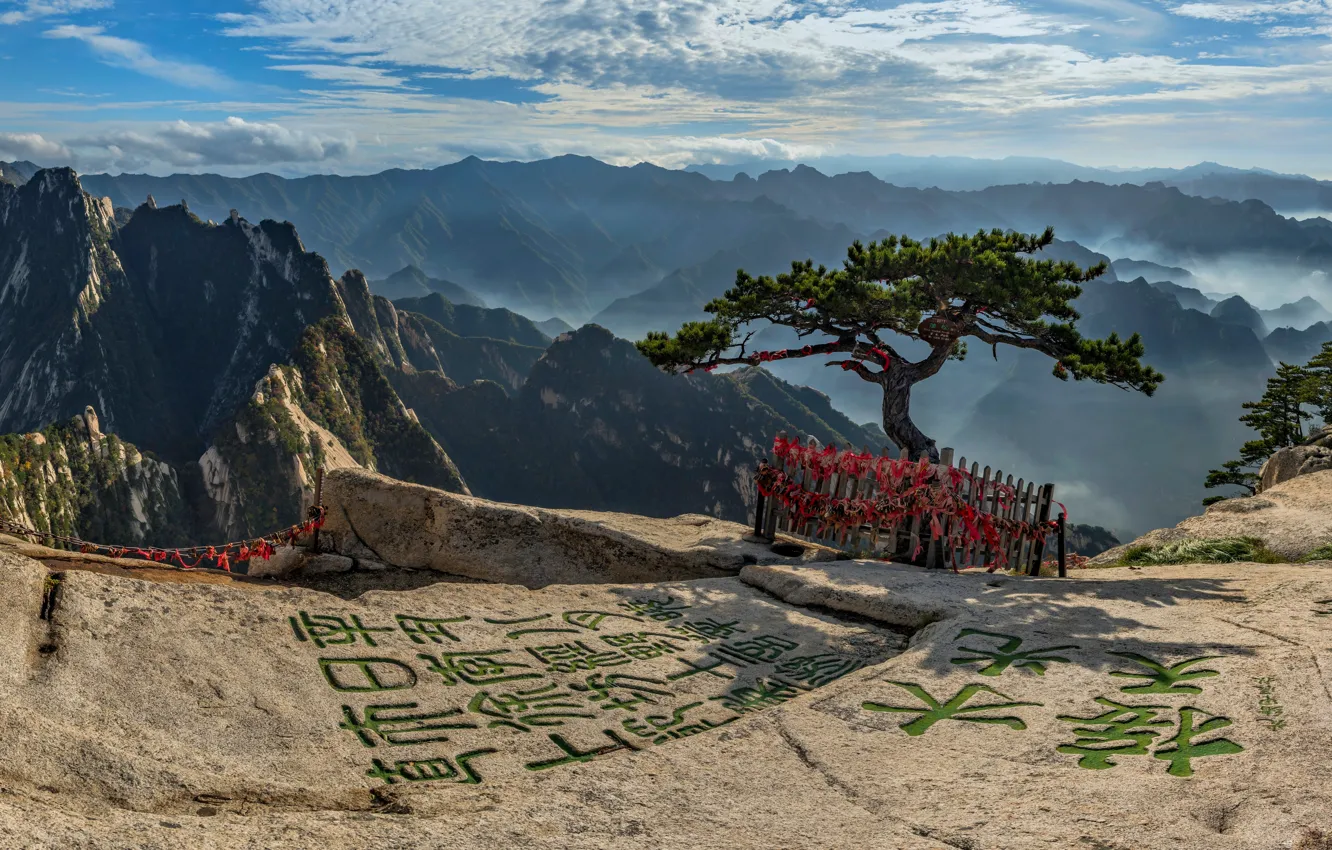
pixel 897 422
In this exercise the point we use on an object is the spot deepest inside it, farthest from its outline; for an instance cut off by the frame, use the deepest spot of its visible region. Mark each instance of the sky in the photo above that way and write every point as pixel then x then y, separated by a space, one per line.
pixel 357 86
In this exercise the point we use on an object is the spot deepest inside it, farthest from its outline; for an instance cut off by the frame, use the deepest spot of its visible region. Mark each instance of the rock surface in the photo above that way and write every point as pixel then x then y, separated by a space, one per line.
pixel 1314 456
pixel 781 708
pixel 373 517
pixel 1292 518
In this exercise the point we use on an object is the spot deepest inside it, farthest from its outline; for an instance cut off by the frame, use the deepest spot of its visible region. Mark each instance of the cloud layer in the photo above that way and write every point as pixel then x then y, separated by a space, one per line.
pixel 126 53
pixel 181 144
pixel 378 83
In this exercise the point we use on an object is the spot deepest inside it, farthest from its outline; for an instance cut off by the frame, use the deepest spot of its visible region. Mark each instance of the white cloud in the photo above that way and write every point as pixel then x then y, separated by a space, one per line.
pixel 125 53
pixel 33 9
pixel 32 146
pixel 758 46
pixel 666 151
pixel 351 75
pixel 1249 10
pixel 224 143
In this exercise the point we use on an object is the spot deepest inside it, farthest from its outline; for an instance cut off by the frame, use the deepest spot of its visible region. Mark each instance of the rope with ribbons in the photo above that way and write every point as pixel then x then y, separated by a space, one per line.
pixel 906 490
pixel 186 558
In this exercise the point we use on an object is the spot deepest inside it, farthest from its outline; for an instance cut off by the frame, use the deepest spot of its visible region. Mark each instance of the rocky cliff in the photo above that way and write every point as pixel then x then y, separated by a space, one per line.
pixel 72 479
pixel 221 347
pixel 595 426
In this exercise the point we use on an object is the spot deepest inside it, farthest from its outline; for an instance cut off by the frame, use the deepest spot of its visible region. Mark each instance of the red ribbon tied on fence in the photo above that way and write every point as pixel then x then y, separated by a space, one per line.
pixel 905 490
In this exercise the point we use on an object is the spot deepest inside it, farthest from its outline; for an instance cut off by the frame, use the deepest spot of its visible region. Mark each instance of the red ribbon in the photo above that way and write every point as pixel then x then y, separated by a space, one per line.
pixel 905 490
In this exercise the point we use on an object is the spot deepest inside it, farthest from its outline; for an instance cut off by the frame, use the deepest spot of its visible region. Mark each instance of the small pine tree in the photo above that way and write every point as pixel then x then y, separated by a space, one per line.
pixel 1279 418
pixel 1318 372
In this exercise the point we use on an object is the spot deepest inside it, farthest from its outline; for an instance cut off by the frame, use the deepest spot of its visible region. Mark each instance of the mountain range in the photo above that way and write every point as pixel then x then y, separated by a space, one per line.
pixel 652 246
pixel 231 359
pixel 1290 193
pixel 571 236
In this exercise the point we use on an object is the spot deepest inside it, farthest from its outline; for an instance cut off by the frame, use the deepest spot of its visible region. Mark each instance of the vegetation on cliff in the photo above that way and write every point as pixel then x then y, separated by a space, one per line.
pixel 70 481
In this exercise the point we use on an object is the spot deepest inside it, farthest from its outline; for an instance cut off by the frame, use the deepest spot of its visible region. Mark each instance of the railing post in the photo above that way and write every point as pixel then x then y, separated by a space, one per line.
pixel 1047 501
pixel 318 500
pixel 759 500
pixel 1062 572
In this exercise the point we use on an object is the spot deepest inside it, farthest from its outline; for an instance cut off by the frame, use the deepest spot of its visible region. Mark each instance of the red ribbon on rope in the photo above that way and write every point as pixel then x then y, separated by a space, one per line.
pixel 261 547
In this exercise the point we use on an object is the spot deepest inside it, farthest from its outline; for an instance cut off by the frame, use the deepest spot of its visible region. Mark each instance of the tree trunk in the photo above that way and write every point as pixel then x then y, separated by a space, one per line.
pixel 897 422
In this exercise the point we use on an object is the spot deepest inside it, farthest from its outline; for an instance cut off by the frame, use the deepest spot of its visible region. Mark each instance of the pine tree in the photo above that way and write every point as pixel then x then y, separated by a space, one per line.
pixel 1319 372
pixel 987 287
pixel 1278 417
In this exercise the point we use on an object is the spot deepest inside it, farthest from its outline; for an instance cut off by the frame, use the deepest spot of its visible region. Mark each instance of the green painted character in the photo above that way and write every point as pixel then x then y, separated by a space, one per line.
pixel 366 675
pixel 1007 655
pixel 1180 750
pixel 400 724
pixel 523 709
pixel 331 630
pixel 1126 730
pixel 573 755
pixel 432 629
pixel 430 770
pixel 592 620
pixel 934 711
pixel 1163 679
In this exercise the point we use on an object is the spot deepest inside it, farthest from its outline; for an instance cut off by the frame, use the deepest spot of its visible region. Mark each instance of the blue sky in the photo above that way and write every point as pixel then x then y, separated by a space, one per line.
pixel 299 86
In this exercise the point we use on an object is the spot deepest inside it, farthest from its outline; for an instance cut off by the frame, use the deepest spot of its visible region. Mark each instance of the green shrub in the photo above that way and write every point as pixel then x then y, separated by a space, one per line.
pixel 1322 553
pixel 1222 550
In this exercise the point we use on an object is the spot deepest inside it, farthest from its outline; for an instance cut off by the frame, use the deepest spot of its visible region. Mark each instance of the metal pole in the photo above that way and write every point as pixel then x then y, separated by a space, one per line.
pixel 319 500
pixel 1062 572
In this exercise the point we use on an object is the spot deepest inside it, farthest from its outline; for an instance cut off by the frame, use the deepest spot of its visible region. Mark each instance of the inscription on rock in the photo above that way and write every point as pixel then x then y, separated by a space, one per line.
pixel 555 688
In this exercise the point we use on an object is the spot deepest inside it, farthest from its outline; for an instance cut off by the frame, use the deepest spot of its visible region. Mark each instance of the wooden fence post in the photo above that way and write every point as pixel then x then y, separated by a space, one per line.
pixel 1062 572
pixel 319 501
pixel 759 500
pixel 1042 517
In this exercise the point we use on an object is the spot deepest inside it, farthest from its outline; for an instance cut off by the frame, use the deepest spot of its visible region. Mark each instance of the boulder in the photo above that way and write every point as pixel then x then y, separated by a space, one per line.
pixel 375 518
pixel 1293 517
pixel 1292 462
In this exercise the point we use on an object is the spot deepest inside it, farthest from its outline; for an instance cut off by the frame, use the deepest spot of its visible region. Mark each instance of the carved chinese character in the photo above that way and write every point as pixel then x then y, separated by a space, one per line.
pixel 642 646
pixel 954 709
pixel 1006 654
pixel 573 755
pixel 1163 679
pixel 576 655
pixel 422 629
pixel 706 630
pixel 818 670
pixel 696 669
pixel 431 770
pixel 399 724
pixel 361 675
pixel 1181 749
pixel 765 693
pixel 767 648
pixel 622 691
pixel 661 611
pixel 668 727
pixel 544 705
pixel 485 667
pixel 1124 730
pixel 330 630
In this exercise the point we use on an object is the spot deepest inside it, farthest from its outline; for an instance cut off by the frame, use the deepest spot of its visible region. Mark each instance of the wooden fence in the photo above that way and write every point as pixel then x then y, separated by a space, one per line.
pixel 901 540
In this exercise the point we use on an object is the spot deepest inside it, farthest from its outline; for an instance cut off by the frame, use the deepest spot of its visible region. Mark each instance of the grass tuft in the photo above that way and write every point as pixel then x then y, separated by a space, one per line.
pixel 1223 550
pixel 1322 553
